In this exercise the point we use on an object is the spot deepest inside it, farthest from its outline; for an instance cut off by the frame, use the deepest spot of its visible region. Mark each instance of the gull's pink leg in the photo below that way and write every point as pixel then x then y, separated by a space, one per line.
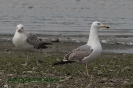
pixel 87 69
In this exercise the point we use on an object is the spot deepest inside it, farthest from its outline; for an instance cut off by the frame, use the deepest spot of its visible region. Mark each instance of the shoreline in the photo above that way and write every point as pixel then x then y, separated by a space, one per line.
pixel 68 43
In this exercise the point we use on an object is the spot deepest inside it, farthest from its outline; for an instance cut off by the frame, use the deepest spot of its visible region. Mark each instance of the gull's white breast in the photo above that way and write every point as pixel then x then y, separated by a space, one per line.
pixel 19 40
pixel 97 49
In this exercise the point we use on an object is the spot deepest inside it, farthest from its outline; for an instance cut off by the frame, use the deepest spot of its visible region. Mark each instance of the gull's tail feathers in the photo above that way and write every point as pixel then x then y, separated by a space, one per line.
pixel 63 62
pixel 43 45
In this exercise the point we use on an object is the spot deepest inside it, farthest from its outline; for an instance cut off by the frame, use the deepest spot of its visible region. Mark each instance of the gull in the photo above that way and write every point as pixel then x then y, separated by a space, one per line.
pixel 88 52
pixel 25 41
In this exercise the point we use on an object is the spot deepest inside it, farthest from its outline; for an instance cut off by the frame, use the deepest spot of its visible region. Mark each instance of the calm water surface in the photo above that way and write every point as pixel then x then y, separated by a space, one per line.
pixel 65 17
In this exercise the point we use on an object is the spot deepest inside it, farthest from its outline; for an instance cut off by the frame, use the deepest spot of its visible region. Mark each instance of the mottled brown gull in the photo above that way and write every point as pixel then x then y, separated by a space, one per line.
pixel 26 41
pixel 88 52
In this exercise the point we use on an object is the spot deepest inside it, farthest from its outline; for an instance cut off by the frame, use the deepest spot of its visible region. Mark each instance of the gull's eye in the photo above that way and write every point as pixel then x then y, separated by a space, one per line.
pixel 22 28
pixel 98 23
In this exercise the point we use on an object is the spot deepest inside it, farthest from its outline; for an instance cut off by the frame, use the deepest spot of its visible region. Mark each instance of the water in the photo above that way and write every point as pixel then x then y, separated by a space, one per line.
pixel 65 17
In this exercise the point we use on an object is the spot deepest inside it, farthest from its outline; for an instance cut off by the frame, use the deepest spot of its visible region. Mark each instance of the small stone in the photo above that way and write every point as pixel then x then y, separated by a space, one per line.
pixel 123 43
pixel 40 38
pixel 99 72
pixel 48 86
pixel 113 80
pixel 55 40
pixel 94 68
pixel 78 41
pixel 127 68
pixel 125 82
pixel 59 86
pixel 39 61
pixel 112 62
pixel 104 80
pixel 124 54
pixel 111 70
pixel 2 70
pixel 115 57
pixel 5 86
pixel 20 85
pixel 89 86
pixel 9 39
pixel 118 43
pixel 30 7
pixel 130 43
pixel 103 41
pixel 6 49
pixel 30 72
pixel 36 86
pixel 10 75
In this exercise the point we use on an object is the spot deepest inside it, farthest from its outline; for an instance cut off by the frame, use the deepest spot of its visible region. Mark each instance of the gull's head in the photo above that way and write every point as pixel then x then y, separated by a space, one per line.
pixel 20 28
pixel 98 25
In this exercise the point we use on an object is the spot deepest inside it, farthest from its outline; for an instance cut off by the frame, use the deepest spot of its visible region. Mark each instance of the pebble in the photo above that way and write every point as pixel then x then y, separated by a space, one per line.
pixel 6 49
pixel 34 68
pixel 127 68
pixel 113 80
pixel 118 43
pixel 59 86
pixel 125 82
pixel 40 38
pixel 130 43
pixel 89 86
pixel 39 61
pixel 55 40
pixel 104 80
pixel 36 86
pixel 124 54
pixel 115 57
pixel 78 41
pixel 10 75
pixel 5 86
pixel 29 71
pixel 48 86
pixel 99 72
pixel 30 7
pixel 104 41
pixel 111 70
pixel 123 43
pixel 20 85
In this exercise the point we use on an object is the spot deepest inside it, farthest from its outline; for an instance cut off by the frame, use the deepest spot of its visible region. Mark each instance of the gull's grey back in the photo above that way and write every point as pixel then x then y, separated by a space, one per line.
pixel 33 40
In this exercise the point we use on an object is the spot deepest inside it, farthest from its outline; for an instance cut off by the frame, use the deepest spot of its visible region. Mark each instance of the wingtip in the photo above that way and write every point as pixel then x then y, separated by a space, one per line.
pixel 62 62
pixel 43 45
pixel 59 62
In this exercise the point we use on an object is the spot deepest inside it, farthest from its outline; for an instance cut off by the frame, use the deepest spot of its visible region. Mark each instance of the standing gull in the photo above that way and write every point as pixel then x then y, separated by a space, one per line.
pixel 26 41
pixel 88 52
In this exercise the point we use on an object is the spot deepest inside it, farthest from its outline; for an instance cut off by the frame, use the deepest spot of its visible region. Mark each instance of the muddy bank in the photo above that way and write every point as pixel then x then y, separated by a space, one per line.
pixel 65 44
